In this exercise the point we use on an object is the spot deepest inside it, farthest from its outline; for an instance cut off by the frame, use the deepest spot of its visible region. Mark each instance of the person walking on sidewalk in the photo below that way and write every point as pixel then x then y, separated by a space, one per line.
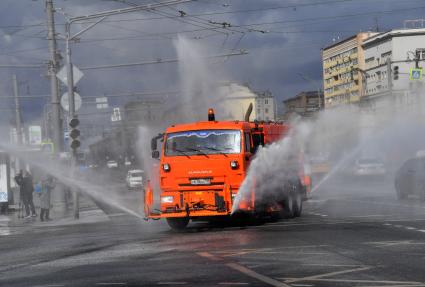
pixel 27 190
pixel 47 185
pixel 19 179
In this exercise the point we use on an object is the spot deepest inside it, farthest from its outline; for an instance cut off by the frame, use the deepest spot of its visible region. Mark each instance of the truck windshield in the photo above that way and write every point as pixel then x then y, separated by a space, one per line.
pixel 203 142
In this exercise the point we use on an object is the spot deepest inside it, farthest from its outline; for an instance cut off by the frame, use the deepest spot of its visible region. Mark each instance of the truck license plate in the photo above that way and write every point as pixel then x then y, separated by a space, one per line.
pixel 200 181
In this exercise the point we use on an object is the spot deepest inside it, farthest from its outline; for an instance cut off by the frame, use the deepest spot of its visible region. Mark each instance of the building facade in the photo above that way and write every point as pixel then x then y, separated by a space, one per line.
pixel 305 104
pixel 342 63
pixel 390 51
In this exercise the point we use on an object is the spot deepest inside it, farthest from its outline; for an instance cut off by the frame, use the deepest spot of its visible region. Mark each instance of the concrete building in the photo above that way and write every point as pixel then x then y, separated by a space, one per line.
pixel 305 104
pixel 342 81
pixel 236 100
pixel 400 48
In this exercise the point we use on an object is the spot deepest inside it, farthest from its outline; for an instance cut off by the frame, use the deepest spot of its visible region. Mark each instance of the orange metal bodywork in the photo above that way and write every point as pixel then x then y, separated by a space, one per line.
pixel 216 198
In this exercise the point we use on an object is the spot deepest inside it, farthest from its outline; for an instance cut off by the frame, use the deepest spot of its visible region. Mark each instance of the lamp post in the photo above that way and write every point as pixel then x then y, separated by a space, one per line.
pixel 69 66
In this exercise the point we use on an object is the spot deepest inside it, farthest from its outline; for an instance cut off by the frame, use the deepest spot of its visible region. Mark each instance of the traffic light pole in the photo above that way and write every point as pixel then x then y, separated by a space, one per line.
pixel 72 115
pixel 69 69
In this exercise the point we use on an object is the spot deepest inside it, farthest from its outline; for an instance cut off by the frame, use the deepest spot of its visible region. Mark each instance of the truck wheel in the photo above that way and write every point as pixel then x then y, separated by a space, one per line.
pixel 178 224
pixel 298 204
pixel 288 206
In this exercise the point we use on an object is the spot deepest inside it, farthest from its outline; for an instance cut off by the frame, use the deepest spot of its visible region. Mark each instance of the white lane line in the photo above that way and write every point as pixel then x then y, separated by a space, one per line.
pixel 404 283
pixel 410 228
pixel 251 273
pixel 233 283
pixel 50 285
pixel 301 285
pixel 209 256
pixel 421 230
pixel 387 224
pixel 171 283
pixel 111 283
pixel 328 274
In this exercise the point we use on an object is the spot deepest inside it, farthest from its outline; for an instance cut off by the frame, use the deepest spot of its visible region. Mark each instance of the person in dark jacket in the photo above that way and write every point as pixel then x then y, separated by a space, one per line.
pixel 27 190
pixel 19 179
pixel 47 185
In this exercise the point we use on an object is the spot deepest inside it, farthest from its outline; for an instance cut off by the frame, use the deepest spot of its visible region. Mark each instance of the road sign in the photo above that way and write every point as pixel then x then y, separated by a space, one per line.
pixel 3 182
pixel 34 135
pixel 116 115
pixel 415 74
pixel 65 101
pixel 102 103
pixel 63 76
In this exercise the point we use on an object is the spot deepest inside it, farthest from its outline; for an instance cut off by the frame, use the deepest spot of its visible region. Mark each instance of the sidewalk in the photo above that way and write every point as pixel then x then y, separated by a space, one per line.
pixel 89 213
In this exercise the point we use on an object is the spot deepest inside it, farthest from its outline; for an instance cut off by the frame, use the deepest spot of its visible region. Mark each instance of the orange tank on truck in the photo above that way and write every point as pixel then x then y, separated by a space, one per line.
pixel 202 166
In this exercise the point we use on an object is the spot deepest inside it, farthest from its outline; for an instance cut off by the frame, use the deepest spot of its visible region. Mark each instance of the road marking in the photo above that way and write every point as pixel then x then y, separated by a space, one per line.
pixel 50 285
pixel 171 283
pixel 410 228
pixel 245 270
pixel 111 283
pixel 330 265
pixel 394 243
pixel 258 276
pixel 301 285
pixel 233 283
pixel 405 283
pixel 371 215
pixel 421 230
pixel 328 274
pixel 209 256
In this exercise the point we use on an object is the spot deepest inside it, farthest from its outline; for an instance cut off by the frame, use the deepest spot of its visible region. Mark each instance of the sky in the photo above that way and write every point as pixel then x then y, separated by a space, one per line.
pixel 283 39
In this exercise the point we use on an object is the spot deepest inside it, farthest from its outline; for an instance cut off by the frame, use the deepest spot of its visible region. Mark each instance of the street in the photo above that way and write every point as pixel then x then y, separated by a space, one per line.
pixel 353 233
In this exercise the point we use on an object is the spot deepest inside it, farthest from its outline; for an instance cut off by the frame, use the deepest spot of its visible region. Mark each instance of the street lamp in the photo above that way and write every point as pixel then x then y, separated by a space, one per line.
pixel 69 37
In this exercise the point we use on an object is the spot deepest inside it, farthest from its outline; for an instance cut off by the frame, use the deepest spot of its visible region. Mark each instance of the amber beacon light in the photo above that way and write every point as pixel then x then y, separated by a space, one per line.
pixel 211 115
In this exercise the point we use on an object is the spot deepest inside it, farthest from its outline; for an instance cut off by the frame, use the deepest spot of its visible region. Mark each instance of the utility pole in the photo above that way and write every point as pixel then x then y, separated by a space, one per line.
pixel 17 111
pixel 18 120
pixel 389 77
pixel 69 66
pixel 54 86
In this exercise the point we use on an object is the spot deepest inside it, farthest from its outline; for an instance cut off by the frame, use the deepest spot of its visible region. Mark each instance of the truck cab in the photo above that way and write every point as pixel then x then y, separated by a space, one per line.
pixel 202 166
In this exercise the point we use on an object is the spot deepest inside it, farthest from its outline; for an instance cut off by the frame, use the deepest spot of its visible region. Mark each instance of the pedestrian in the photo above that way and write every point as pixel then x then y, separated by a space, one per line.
pixel 28 189
pixel 47 185
pixel 19 179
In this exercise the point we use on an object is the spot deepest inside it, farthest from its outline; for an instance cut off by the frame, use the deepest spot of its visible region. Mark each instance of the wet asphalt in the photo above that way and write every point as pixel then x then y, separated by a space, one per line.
pixel 353 232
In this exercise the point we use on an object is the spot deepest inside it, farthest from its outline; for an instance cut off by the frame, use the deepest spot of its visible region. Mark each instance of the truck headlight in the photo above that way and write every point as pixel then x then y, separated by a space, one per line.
pixel 166 167
pixel 167 199
pixel 234 164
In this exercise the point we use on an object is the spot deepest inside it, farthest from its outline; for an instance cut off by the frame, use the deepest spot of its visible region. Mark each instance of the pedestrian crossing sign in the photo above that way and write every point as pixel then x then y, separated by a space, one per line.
pixel 415 74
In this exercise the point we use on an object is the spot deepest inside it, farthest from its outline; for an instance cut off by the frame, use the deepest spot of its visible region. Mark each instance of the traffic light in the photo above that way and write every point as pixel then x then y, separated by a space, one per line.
pixel 74 133
pixel 395 73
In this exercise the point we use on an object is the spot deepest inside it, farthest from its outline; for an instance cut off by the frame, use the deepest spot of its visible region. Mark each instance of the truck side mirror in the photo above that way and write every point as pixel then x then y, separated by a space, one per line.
pixel 155 154
pixel 153 144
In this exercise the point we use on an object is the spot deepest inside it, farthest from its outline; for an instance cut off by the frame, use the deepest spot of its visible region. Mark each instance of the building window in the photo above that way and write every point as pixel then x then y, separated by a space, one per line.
pixel 266 101
pixel 266 110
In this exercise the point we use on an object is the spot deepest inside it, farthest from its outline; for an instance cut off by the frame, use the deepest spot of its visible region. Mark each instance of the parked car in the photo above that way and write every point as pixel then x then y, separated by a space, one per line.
pixel 111 164
pixel 369 167
pixel 134 179
pixel 410 178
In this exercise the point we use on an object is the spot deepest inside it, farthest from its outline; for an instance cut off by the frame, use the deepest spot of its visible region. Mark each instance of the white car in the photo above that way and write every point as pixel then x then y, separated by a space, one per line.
pixel 134 179
pixel 112 164
pixel 370 166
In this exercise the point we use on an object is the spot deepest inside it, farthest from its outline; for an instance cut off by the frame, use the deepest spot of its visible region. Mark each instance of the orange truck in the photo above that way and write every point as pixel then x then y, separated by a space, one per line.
pixel 203 164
